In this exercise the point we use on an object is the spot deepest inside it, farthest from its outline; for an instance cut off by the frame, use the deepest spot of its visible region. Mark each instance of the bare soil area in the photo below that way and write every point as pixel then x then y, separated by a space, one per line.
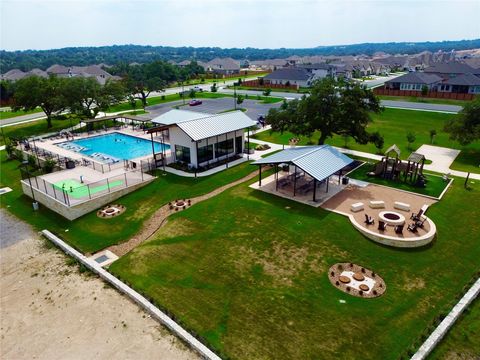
pixel 49 310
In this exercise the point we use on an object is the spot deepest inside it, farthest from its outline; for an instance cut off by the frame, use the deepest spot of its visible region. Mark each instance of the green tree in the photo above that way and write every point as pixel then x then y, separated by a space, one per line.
pixel 46 93
pixel 239 99
pixel 334 107
pixel 465 128
pixel 213 88
pixel 411 137
pixel 424 90
pixel 378 140
pixel 192 94
pixel 267 92
pixel 88 97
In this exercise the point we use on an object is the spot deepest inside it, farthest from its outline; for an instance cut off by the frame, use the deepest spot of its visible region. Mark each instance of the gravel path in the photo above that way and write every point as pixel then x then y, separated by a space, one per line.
pixel 159 218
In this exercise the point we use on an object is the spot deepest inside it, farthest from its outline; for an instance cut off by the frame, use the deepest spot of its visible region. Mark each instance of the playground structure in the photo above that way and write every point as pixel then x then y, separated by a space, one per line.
pixel 393 168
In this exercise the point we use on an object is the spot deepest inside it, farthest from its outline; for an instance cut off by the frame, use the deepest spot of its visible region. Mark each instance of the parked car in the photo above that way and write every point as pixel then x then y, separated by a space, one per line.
pixel 261 120
pixel 195 102
pixel 197 88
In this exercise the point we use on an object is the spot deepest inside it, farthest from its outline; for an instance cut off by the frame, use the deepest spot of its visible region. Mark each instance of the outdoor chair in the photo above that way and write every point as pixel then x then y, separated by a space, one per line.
pixel 417 216
pixel 382 226
pixel 369 220
pixel 399 229
pixel 419 223
pixel 412 227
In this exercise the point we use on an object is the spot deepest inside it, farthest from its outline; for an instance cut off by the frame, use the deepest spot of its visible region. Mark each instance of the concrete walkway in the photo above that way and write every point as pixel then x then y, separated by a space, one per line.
pixel 441 157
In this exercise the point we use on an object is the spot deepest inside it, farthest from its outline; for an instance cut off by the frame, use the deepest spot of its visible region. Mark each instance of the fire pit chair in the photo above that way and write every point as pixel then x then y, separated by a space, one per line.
pixel 369 220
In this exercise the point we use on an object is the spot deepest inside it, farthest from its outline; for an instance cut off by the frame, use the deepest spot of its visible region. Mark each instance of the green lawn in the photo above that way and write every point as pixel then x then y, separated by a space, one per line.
pixel 394 124
pixel 462 341
pixel 434 187
pixel 424 100
pixel 90 233
pixel 251 278
pixel 37 127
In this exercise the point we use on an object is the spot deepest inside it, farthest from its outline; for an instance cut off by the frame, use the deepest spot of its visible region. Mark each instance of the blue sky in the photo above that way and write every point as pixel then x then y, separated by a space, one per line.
pixel 45 24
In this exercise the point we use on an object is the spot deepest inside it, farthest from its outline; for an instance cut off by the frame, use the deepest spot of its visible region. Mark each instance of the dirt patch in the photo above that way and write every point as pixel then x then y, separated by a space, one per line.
pixel 414 284
pixel 49 310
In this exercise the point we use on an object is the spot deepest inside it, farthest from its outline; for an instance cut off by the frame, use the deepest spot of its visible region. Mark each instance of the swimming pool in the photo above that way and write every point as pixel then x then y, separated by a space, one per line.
pixel 113 147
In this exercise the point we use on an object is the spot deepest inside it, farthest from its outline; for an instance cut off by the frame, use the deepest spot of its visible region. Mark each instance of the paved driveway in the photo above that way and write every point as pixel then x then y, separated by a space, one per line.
pixel 214 106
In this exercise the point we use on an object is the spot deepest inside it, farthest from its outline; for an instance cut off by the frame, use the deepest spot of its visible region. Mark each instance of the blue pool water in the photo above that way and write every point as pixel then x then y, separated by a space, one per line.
pixel 113 147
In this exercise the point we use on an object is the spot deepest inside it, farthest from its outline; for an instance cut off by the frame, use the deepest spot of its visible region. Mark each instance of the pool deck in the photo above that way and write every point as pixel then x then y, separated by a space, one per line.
pixel 50 145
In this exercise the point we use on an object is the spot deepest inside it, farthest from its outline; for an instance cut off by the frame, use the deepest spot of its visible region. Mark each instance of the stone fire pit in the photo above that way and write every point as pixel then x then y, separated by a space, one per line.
pixel 392 218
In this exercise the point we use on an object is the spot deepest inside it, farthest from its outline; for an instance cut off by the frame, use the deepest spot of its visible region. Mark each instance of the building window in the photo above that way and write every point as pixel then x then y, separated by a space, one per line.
pixel 205 153
pixel 223 148
pixel 182 153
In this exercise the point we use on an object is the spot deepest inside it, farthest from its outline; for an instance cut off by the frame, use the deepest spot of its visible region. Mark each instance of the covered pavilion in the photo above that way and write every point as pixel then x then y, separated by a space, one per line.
pixel 312 166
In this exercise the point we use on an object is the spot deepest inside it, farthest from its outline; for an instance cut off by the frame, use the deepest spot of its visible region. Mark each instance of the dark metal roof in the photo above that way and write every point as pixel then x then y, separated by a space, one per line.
pixel 289 74
pixel 416 157
pixel 416 78
pixel 464 79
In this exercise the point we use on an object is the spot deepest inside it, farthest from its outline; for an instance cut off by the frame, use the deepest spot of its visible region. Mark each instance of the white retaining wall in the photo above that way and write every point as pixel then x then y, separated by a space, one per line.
pixel 135 296
pixel 437 335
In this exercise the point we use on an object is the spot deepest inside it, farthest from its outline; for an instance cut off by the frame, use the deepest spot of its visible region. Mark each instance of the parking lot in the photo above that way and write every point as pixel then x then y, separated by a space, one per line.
pixel 214 106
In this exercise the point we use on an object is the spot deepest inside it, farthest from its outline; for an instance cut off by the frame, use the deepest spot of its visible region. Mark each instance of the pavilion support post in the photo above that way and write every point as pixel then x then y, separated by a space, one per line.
pixel 295 181
pixel 153 148
pixel 248 143
pixel 407 170
pixel 196 156
pixel 276 177
pixel 208 158
pixel 314 190
pixel 328 180
pixel 416 173
pixel 226 144
pixel 164 152
pixel 339 176
pixel 259 175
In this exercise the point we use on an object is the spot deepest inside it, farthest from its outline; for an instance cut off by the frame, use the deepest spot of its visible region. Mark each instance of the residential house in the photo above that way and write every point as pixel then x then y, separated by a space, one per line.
pixel 290 76
pixel 16 74
pixel 225 66
pixel 94 71
pixel 451 69
pixel 200 139
pixel 461 84
pixel 414 81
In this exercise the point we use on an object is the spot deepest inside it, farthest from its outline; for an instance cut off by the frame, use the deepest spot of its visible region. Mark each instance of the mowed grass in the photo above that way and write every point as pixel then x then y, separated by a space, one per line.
pixel 90 233
pixel 434 186
pixel 247 272
pixel 37 127
pixel 425 100
pixel 394 124
pixel 462 340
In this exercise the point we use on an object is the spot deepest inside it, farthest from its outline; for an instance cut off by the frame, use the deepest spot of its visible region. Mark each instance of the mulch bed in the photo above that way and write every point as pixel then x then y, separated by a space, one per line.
pixel 360 273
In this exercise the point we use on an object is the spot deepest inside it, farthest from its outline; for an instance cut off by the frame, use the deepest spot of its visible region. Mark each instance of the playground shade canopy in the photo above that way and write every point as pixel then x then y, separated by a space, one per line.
pixel 320 162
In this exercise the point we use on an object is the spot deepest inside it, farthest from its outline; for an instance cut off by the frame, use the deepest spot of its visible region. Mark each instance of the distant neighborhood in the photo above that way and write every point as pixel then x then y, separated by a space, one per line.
pixel 440 72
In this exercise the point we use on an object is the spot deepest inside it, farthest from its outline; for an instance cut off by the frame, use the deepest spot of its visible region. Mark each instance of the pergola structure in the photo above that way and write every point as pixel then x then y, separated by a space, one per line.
pixel 319 162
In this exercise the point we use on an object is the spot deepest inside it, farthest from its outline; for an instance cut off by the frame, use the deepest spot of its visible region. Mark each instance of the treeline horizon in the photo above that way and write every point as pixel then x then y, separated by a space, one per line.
pixel 26 60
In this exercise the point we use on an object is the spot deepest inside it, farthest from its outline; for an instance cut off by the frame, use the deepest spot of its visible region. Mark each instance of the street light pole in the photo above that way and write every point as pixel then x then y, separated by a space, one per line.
pixel 234 96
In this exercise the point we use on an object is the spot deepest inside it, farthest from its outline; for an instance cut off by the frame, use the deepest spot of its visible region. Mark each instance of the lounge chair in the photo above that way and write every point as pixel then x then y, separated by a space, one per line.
pixel 382 226
pixel 412 227
pixel 399 229
pixel 369 220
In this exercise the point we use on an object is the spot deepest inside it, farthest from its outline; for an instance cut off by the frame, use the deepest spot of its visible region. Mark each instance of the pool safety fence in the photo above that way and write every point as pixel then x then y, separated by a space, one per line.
pixel 73 191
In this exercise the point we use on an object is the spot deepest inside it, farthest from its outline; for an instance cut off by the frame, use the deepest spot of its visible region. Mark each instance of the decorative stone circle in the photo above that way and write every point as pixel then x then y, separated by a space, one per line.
pixel 350 279
pixel 110 211
pixel 180 204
